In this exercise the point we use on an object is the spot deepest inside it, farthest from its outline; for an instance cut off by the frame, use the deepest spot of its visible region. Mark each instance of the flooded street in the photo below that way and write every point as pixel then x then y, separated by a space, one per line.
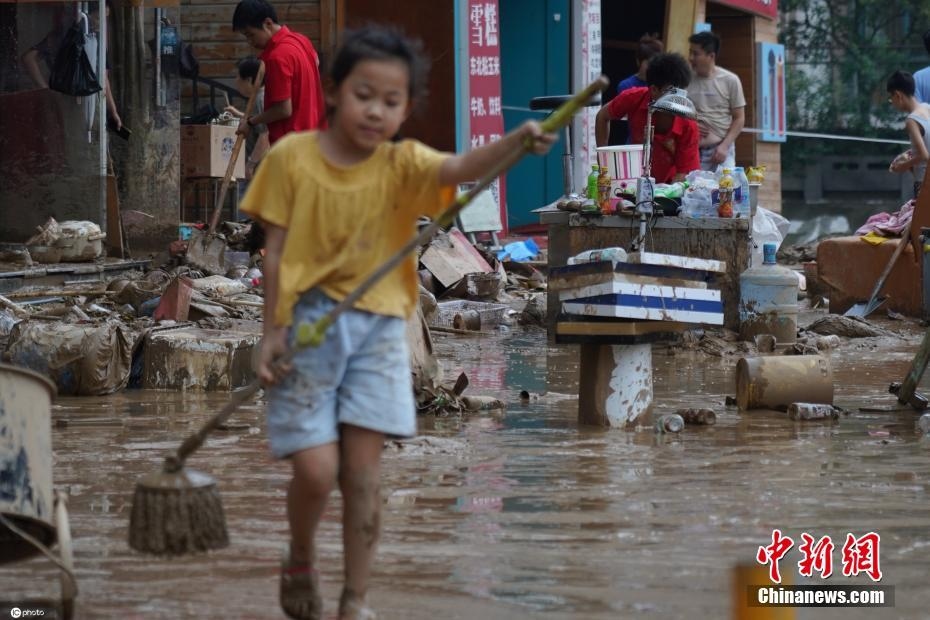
pixel 521 514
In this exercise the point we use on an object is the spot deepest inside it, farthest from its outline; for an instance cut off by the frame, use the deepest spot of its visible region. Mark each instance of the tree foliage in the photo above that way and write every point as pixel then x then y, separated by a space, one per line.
pixel 840 53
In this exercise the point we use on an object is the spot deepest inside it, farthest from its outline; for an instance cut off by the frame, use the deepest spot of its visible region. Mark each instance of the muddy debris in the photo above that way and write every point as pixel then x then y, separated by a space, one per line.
pixel 534 313
pixel 428 445
pixel 847 327
pixel 797 254
pixel 698 417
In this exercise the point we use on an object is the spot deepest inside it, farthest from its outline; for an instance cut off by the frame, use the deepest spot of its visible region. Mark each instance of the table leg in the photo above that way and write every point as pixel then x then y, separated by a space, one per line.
pixel 615 387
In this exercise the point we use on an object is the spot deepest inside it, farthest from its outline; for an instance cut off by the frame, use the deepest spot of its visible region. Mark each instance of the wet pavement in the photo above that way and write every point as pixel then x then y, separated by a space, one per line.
pixel 521 514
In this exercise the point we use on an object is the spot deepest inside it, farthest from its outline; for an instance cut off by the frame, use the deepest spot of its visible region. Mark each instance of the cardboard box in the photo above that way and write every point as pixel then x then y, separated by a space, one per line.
pixel 206 149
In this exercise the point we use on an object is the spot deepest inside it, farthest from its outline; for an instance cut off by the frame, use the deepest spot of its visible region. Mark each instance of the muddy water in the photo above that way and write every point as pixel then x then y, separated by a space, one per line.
pixel 523 514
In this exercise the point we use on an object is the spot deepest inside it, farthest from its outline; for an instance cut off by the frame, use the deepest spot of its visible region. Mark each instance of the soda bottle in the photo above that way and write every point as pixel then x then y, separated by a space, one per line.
pixel 592 182
pixel 669 424
pixel 603 190
pixel 812 411
pixel 725 190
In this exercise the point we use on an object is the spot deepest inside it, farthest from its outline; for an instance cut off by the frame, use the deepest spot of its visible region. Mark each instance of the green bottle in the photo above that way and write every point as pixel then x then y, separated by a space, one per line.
pixel 592 182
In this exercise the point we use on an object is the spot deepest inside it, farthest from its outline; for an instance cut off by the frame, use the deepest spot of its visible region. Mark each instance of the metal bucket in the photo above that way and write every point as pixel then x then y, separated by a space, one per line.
pixel 26 494
pixel 777 381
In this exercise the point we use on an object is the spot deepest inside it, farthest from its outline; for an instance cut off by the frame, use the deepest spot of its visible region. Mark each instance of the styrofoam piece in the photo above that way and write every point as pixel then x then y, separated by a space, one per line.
pixel 671 260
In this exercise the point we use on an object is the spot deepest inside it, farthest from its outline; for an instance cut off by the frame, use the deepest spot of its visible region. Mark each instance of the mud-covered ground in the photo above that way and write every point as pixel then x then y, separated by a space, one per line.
pixel 521 514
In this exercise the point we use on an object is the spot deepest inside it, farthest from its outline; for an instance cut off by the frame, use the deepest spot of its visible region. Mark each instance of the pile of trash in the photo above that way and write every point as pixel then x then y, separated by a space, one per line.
pixel 99 336
pixel 87 336
pixel 467 288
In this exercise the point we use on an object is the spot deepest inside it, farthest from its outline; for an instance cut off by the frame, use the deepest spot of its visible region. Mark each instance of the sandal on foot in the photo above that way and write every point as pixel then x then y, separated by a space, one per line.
pixel 354 608
pixel 300 590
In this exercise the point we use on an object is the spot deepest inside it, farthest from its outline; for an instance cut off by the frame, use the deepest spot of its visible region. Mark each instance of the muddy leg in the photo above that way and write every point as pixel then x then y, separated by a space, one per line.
pixel 360 483
pixel 314 478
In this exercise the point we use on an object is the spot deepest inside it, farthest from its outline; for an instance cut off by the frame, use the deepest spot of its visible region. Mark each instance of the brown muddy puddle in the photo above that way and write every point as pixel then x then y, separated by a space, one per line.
pixel 519 515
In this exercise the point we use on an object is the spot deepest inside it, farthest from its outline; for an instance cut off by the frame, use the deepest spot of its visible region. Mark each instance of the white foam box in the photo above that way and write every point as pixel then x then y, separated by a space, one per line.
pixel 649 286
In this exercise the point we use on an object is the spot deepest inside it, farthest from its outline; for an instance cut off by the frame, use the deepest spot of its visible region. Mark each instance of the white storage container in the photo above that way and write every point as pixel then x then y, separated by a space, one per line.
pixel 80 241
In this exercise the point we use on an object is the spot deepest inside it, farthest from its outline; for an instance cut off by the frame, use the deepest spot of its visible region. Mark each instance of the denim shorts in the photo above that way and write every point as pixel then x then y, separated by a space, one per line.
pixel 359 375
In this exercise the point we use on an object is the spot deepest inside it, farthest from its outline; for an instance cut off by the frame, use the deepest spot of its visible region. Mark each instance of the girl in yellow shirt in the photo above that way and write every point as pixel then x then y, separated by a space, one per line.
pixel 337 204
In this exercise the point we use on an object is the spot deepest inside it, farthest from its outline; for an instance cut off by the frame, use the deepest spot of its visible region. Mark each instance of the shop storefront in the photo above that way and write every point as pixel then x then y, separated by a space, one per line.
pixel 57 157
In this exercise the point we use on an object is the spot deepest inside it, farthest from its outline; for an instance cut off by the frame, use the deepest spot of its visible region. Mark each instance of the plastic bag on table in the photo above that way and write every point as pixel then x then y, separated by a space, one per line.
pixel 697 200
pixel 767 227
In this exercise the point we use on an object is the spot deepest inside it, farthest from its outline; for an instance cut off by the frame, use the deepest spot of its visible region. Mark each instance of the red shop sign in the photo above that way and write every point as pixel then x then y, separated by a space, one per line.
pixel 486 117
pixel 765 8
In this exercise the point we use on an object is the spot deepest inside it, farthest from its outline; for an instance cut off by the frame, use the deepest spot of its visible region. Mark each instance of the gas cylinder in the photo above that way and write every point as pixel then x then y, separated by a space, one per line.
pixel 768 300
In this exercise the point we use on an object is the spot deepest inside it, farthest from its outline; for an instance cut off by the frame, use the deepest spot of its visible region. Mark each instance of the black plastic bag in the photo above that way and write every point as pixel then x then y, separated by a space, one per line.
pixel 72 73
pixel 206 114
pixel 189 65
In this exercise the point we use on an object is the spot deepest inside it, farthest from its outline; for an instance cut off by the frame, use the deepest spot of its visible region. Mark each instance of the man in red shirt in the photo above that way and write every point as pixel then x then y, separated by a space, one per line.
pixel 293 92
pixel 675 139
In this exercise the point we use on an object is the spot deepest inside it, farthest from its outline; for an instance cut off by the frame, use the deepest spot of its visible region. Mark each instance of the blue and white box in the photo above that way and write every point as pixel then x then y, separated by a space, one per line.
pixel 648 286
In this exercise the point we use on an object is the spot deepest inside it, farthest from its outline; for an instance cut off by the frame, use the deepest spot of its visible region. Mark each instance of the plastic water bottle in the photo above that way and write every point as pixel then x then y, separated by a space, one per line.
pixel 592 182
pixel 741 206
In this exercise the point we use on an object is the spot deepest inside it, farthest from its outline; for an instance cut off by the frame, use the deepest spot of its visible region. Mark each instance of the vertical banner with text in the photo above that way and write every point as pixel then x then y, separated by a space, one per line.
pixel 771 96
pixel 588 69
pixel 486 117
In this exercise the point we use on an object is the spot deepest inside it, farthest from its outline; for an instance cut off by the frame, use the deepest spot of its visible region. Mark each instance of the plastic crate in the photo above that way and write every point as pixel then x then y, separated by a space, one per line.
pixel 491 315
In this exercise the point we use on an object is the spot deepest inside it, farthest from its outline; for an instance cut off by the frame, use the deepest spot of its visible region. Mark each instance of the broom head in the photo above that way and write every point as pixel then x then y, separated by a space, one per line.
pixel 176 513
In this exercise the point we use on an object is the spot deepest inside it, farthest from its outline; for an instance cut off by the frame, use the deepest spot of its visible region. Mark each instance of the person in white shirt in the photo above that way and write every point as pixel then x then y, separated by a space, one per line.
pixel 718 98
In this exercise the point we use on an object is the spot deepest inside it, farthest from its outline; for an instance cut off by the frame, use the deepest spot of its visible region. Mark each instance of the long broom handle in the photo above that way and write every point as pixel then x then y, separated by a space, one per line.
pixel 240 139
pixel 311 335
pixel 880 283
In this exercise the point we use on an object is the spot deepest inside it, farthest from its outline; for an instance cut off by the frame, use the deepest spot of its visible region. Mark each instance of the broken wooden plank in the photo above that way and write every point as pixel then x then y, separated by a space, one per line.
pixel 451 257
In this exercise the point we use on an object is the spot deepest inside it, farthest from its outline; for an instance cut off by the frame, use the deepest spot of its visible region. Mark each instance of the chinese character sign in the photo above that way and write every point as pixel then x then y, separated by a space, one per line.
pixel 486 118
pixel 859 555
pixel 771 92
pixel 590 70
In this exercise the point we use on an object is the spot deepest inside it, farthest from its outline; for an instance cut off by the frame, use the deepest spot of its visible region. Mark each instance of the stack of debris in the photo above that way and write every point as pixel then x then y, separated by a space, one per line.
pixel 476 289
pixel 185 326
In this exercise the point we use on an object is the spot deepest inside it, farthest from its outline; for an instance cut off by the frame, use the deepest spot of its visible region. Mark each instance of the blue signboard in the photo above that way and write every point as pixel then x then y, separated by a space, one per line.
pixel 771 92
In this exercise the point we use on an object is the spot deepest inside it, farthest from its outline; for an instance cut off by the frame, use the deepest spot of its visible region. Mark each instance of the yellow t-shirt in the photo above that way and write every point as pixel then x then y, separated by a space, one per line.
pixel 343 223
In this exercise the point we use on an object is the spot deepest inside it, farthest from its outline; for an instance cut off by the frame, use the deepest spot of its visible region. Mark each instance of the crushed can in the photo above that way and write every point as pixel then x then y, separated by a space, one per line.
pixel 812 411
pixel 698 417
pixel 672 423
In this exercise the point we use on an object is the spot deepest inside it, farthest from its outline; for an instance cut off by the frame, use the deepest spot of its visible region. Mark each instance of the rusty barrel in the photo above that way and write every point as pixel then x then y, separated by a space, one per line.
pixel 774 382
pixel 26 497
